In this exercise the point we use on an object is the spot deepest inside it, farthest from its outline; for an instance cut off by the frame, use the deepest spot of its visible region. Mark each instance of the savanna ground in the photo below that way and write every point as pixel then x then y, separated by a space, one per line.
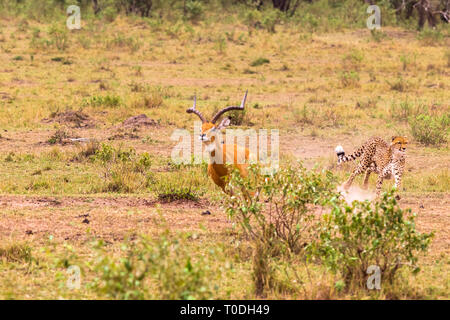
pixel 319 89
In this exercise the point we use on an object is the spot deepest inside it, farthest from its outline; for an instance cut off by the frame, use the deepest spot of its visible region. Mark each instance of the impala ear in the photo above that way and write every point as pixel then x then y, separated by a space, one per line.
pixel 225 123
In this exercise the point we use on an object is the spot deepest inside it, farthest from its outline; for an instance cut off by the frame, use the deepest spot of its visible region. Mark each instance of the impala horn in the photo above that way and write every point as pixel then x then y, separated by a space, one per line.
pixel 221 112
pixel 193 110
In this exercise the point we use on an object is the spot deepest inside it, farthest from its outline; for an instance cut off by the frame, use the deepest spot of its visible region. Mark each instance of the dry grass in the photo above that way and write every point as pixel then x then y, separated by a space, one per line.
pixel 320 90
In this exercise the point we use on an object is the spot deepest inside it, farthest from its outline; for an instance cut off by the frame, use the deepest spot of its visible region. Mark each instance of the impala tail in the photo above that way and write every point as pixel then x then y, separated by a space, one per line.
pixel 343 158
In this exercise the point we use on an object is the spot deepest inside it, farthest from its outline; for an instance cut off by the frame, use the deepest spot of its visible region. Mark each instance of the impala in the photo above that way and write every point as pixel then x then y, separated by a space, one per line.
pixel 222 155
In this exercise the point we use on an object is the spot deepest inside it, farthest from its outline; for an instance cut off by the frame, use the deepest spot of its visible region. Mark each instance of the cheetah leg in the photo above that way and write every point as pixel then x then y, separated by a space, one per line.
pixel 366 179
pixel 379 184
pixel 363 165
pixel 359 169
pixel 398 179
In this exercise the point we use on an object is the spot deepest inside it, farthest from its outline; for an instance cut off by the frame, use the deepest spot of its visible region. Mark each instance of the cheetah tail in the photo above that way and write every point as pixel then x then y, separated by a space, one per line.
pixel 343 158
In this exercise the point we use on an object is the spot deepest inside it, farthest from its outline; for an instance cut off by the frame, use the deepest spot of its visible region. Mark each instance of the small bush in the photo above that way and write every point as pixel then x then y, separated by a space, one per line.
pixel 248 71
pixel 240 117
pixel 174 194
pixel 350 79
pixel 281 202
pixel 259 62
pixel 62 60
pixel 270 19
pixel 106 101
pixel 59 38
pixel 87 150
pixel 377 35
pixel 164 264
pixel 277 213
pixel 431 37
pixel 149 100
pixel 353 60
pixel 399 84
pixel 408 60
pixel 221 45
pixel 366 104
pixel 37 185
pixel 123 170
pixel 430 130
pixel 404 110
pixel 59 137
pixel 16 252
pixel 354 237
pixel 121 41
pixel 194 10
pixel 175 186
pixel 252 19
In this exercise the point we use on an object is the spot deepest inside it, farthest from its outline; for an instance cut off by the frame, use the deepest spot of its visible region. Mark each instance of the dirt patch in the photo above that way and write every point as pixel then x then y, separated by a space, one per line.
pixel 15 202
pixel 112 219
pixel 72 119
pixel 62 136
pixel 139 121
pixel 122 134
pixel 129 129
pixel 34 218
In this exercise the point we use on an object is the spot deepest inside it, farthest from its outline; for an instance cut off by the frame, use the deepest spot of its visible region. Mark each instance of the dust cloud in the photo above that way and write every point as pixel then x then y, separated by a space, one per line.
pixel 356 193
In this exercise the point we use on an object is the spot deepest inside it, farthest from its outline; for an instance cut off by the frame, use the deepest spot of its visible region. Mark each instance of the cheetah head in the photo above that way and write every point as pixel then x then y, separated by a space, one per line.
pixel 399 143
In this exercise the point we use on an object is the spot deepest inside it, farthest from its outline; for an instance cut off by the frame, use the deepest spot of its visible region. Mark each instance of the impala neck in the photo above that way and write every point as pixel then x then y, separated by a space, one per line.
pixel 213 148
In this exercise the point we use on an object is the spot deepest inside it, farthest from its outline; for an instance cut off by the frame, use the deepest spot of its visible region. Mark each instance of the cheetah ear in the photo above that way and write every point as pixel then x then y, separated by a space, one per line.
pixel 393 138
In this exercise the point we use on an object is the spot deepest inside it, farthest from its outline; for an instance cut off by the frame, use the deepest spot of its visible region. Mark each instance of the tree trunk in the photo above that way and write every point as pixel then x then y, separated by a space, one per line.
pixel 95 6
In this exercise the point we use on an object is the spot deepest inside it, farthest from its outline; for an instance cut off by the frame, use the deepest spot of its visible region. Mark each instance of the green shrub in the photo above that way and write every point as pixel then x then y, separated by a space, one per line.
pixel 277 213
pixel 123 170
pixel 252 19
pixel 280 202
pixel 194 10
pixel 171 193
pixel 377 35
pixel 404 110
pixel 259 62
pixel 86 150
pixel 60 136
pixel 121 41
pixel 431 37
pixel 164 265
pixel 240 117
pixel 429 129
pixel 221 45
pixel 106 101
pixel 109 14
pixel 350 79
pixel 187 184
pixel 59 38
pixel 353 60
pixel 270 19
pixel 408 60
pixel 16 252
pixel 398 85
pixel 354 237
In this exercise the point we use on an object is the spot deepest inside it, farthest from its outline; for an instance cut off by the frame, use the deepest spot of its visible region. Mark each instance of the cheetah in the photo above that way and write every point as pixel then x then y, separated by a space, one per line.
pixel 379 157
